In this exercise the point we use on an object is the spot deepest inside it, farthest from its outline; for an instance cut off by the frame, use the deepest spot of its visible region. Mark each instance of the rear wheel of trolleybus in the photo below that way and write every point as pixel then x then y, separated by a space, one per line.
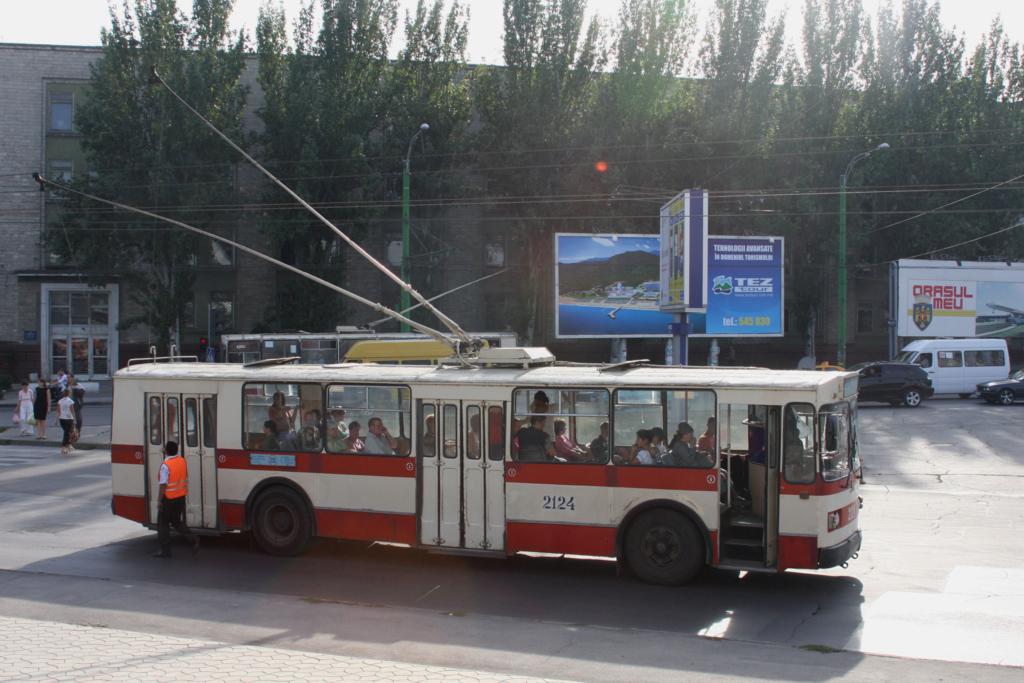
pixel 281 523
pixel 664 547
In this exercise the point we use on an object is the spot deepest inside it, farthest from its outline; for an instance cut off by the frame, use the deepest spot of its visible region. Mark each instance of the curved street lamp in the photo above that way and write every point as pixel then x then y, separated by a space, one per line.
pixel 405 221
pixel 841 337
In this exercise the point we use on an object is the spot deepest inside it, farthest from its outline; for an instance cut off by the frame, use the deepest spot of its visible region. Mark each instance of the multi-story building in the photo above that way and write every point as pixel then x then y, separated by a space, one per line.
pixel 57 315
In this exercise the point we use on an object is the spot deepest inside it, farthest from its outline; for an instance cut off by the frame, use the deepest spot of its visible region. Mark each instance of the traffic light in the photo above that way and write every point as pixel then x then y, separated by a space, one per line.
pixel 203 344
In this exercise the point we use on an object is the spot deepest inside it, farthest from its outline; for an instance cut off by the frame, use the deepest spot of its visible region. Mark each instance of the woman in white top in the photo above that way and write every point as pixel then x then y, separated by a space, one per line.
pixel 25 409
pixel 66 415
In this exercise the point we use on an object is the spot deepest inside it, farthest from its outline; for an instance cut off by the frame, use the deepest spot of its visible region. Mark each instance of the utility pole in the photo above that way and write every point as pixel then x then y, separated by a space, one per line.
pixel 405 303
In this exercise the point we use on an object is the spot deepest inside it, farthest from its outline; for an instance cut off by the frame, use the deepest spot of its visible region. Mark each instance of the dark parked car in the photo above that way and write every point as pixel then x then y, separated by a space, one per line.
pixel 1004 391
pixel 892 382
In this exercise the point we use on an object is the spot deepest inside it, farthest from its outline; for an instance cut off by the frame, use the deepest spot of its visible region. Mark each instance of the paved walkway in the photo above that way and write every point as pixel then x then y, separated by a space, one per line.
pixel 48 651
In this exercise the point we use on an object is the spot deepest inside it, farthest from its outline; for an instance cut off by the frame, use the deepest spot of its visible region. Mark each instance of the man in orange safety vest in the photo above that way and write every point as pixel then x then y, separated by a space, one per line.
pixel 171 503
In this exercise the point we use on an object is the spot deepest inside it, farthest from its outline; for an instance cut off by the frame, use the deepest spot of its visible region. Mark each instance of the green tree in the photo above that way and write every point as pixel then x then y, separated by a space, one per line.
pixel 145 149
pixel 325 106
pixel 533 113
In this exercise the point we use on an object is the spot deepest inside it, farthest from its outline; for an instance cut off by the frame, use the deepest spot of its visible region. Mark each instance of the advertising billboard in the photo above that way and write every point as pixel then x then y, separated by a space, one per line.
pixel 684 230
pixel 745 287
pixel 959 299
pixel 608 286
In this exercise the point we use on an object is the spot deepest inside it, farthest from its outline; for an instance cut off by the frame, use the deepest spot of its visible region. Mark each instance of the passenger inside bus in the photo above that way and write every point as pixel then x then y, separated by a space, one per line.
pixel 335 441
pixel 379 441
pixel 428 440
pixel 533 442
pixel 658 448
pixel 640 453
pixel 282 415
pixel 599 446
pixel 354 443
pixel 473 438
pixel 270 440
pixel 565 447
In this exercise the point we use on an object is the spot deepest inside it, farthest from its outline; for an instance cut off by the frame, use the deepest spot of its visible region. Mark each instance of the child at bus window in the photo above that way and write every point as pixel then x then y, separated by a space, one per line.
pixel 565 447
pixel 658 448
pixel 270 439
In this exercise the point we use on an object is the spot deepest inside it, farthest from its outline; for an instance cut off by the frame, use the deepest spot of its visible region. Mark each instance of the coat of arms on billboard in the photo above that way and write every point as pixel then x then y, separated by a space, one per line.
pixel 922 315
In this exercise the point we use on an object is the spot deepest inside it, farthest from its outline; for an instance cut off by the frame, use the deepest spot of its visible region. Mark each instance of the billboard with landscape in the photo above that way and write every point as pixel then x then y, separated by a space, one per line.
pixel 608 285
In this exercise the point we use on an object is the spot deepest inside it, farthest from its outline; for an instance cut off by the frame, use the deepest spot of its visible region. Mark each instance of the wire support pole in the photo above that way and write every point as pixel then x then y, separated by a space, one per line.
pixel 405 286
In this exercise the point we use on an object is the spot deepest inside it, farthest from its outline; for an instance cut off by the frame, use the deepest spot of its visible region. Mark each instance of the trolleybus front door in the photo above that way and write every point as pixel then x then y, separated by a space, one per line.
pixel 190 421
pixel 462 488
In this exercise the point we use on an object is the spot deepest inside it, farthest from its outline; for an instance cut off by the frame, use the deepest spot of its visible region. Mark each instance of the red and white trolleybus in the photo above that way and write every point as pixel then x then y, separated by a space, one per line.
pixel 438 457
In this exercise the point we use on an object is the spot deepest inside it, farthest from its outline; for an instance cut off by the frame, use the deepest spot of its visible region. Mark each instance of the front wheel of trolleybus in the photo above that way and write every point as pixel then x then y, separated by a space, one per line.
pixel 664 547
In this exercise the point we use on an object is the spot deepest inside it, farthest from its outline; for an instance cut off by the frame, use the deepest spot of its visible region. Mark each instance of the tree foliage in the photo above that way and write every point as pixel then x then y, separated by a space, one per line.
pixel 144 149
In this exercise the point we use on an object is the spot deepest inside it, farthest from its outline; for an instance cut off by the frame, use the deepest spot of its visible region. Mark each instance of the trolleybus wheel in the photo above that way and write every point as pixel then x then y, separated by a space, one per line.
pixel 664 547
pixel 280 522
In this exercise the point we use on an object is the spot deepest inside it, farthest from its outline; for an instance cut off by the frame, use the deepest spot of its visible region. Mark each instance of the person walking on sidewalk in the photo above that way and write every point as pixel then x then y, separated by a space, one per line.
pixel 78 396
pixel 24 409
pixel 40 407
pixel 173 482
pixel 66 416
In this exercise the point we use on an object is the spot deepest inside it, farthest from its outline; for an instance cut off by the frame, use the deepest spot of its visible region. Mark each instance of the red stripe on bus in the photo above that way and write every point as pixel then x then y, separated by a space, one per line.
pixel 636 476
pixel 366 526
pixel 321 463
pixel 125 454
pixel 570 539
pixel 798 552
pixel 130 507
pixel 232 515
pixel 820 487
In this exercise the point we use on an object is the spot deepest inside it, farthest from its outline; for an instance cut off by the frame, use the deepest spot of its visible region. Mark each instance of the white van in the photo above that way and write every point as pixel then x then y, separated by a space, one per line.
pixel 957 366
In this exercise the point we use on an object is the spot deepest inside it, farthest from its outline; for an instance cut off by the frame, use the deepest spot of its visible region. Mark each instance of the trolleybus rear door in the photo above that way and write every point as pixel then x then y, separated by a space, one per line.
pixel 449 490
pixel 483 479
pixel 188 420
pixel 198 448
pixel 461 463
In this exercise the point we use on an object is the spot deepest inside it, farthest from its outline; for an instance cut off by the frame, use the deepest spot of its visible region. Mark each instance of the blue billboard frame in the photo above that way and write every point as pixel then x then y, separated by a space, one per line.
pixel 745 288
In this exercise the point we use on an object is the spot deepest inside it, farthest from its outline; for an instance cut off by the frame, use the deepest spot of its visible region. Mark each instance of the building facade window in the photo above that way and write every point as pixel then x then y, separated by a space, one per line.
pixel 865 319
pixel 61 112
pixel 61 170
pixel 222 312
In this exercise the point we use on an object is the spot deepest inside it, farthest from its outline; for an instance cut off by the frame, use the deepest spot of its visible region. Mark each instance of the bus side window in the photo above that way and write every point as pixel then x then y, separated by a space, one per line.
pixel 798 459
pixel 173 433
pixel 191 423
pixel 156 432
pixel 428 431
pixel 473 435
pixel 210 422
pixel 495 433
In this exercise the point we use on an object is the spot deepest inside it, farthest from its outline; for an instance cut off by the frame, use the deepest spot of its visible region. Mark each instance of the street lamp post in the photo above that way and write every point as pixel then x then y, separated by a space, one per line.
pixel 405 221
pixel 841 337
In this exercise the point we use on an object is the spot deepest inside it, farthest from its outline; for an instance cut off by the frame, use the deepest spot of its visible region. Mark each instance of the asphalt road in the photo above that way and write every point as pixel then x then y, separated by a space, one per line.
pixel 939 579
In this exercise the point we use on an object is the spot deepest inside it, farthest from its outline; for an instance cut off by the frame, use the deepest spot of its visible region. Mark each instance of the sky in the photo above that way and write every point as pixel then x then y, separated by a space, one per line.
pixel 78 22
pixel 576 248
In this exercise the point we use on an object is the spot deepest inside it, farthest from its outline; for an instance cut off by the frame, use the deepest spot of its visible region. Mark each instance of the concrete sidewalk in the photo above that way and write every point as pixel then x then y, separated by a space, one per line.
pixel 92 436
pixel 33 650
